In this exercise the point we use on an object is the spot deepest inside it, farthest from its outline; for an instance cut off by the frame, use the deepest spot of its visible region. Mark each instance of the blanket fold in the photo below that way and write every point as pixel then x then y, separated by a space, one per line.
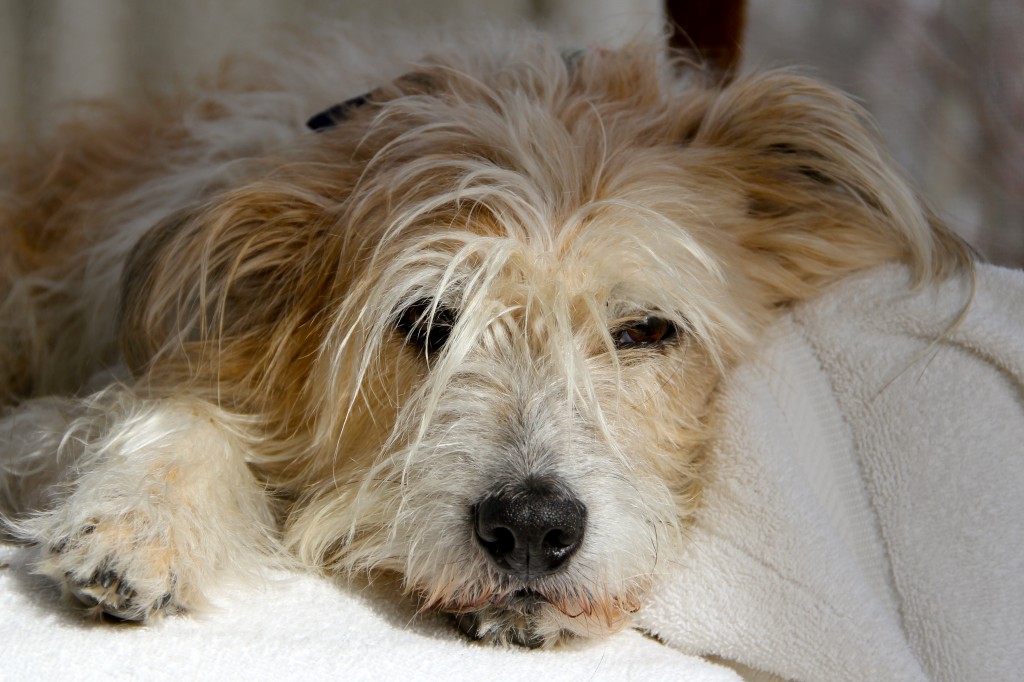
pixel 864 517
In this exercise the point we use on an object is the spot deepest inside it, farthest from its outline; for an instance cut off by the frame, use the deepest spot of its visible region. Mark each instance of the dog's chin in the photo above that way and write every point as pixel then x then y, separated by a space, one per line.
pixel 522 618
pixel 526 617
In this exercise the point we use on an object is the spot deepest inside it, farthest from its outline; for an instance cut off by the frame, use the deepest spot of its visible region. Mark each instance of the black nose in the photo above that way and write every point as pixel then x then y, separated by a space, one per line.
pixel 530 531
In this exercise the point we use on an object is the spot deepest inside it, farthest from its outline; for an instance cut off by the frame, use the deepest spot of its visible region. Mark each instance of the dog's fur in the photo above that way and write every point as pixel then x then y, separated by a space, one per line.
pixel 507 271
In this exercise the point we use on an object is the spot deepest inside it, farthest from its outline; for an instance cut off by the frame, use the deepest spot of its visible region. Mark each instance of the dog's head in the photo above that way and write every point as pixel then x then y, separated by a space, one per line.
pixel 486 308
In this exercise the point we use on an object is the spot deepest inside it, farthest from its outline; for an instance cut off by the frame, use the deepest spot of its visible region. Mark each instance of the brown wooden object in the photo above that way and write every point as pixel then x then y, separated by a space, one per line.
pixel 711 28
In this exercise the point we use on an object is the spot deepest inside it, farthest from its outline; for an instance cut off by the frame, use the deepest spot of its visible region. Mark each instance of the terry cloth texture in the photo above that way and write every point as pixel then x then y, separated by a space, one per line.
pixel 865 520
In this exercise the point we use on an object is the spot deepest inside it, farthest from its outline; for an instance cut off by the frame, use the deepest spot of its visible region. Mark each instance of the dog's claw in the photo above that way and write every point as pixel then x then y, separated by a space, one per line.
pixel 115 597
pixel 125 590
pixel 107 578
pixel 85 597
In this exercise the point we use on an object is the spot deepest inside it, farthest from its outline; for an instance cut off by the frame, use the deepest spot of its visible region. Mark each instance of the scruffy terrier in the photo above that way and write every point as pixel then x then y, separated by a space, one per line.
pixel 467 331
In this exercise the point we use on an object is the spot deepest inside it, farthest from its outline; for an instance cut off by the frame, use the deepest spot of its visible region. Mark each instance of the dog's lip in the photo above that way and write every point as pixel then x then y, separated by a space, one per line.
pixel 524 598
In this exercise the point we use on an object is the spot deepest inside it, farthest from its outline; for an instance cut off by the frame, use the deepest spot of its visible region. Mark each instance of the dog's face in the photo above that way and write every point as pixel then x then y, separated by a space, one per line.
pixel 490 309
pixel 535 413
pixel 537 341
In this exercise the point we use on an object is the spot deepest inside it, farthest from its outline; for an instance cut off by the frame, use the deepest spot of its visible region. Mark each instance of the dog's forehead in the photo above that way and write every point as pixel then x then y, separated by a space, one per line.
pixel 532 128
pixel 531 177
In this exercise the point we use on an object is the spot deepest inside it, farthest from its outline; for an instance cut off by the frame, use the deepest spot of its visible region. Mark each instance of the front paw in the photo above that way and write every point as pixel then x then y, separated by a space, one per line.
pixel 114 567
pixel 159 506
pixel 113 595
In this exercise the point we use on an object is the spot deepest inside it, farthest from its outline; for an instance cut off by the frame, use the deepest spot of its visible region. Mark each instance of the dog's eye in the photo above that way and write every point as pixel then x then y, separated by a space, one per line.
pixel 644 332
pixel 423 331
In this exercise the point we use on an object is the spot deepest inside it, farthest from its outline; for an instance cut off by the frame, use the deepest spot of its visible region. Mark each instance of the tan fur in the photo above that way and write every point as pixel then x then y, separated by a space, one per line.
pixel 550 203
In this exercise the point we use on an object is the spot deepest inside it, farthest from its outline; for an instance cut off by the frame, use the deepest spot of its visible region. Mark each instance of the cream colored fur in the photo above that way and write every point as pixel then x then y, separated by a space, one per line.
pixel 256 283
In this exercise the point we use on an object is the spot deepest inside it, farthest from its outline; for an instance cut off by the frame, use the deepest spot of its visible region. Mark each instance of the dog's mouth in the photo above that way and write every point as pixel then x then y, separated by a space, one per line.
pixel 524 600
pixel 508 617
pixel 530 617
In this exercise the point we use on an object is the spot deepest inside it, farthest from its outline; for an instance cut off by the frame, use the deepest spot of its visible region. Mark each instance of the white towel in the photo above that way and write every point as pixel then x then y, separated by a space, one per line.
pixel 866 516
pixel 864 520
pixel 298 628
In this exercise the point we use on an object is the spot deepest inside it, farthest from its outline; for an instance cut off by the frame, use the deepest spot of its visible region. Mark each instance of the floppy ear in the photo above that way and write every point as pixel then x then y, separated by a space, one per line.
pixel 228 286
pixel 823 198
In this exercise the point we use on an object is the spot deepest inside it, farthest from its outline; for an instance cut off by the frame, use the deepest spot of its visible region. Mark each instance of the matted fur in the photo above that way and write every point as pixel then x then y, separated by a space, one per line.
pixel 216 295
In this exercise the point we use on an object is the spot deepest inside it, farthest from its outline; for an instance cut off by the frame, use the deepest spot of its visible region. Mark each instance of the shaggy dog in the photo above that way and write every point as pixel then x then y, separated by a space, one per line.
pixel 466 332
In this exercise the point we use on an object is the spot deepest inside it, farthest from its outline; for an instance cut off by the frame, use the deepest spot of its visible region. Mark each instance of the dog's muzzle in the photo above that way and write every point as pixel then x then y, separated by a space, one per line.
pixel 530 530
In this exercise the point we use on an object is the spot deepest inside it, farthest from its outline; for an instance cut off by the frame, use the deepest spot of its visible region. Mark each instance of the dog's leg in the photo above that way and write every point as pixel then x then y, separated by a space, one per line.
pixel 151 501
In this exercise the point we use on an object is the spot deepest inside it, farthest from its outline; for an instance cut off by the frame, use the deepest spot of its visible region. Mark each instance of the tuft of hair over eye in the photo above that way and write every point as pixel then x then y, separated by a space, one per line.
pixel 649 331
pixel 426 325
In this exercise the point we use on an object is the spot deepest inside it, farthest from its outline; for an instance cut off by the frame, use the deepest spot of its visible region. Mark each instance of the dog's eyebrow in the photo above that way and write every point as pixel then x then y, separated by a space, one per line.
pixel 332 116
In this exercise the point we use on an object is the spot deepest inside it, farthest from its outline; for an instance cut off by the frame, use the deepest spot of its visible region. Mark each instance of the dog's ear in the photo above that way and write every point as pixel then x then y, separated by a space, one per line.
pixel 821 197
pixel 241 272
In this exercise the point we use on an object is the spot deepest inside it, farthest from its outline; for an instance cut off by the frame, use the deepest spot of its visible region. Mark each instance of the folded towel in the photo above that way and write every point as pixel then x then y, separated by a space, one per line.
pixel 865 519
pixel 862 521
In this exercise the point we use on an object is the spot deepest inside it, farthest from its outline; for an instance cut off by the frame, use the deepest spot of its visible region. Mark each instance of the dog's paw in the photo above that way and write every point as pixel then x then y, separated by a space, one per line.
pixel 119 567
pixel 112 594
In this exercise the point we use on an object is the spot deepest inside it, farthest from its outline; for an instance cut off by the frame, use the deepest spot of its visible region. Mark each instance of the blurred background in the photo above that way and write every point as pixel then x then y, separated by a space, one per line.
pixel 944 78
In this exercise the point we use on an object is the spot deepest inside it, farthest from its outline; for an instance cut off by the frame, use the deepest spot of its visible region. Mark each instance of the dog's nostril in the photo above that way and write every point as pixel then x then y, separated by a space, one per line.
pixel 530 531
pixel 498 540
pixel 560 539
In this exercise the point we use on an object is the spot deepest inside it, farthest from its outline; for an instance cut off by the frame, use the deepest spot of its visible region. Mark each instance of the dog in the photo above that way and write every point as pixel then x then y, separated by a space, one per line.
pixel 464 331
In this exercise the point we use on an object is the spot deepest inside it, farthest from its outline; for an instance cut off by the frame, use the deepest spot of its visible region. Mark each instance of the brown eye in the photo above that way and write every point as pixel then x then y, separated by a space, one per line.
pixel 643 333
pixel 429 334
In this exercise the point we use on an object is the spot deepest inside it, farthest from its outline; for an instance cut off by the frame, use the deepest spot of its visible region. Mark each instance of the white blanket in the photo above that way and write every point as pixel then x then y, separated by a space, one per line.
pixel 864 521
pixel 866 518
